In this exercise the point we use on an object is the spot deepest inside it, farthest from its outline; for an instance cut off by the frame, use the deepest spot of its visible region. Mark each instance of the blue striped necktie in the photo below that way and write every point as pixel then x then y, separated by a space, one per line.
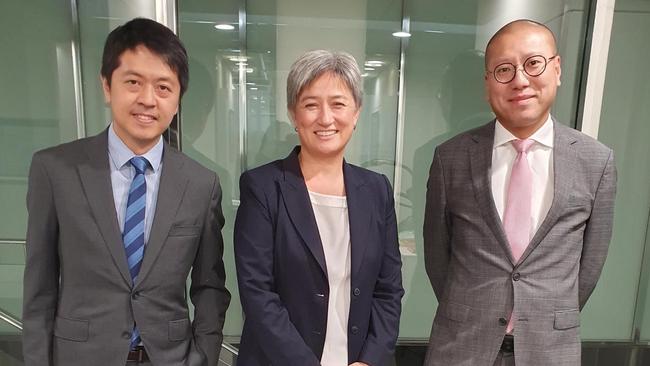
pixel 133 235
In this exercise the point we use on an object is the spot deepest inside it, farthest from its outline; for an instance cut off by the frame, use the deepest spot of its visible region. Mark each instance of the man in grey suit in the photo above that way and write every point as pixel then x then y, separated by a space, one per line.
pixel 518 218
pixel 118 220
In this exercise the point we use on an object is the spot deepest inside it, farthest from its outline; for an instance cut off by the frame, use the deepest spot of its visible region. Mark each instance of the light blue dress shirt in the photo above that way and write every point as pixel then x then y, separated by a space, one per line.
pixel 122 173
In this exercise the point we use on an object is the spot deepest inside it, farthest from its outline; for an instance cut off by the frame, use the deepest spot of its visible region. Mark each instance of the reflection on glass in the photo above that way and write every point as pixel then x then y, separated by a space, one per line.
pixel 625 282
pixel 37 107
pixel 37 110
pixel 279 31
pixel 444 96
pixel 97 18
pixel 210 117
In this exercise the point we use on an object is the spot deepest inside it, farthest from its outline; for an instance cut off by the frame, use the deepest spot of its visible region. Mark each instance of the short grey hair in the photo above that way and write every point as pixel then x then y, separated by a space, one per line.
pixel 315 63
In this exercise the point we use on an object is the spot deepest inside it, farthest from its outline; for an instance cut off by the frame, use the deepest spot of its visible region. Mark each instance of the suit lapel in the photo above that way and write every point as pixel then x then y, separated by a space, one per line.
pixel 481 161
pixel 170 194
pixel 360 215
pixel 96 181
pixel 564 168
pixel 298 205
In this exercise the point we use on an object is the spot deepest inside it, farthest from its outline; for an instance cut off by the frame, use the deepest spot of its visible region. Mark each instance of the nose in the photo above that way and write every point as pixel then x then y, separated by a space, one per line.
pixel 521 78
pixel 327 116
pixel 147 96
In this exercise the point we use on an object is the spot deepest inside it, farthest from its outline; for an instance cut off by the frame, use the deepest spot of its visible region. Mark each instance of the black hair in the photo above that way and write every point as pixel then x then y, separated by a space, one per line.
pixel 155 37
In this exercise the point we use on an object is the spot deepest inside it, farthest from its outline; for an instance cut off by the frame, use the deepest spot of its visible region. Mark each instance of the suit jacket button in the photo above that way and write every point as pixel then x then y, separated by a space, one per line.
pixel 135 295
pixel 516 276
pixel 503 321
pixel 126 335
pixel 356 291
pixel 354 329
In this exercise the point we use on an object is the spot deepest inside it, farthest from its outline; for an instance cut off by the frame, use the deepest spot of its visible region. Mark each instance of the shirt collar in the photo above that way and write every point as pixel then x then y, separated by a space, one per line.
pixel 543 135
pixel 121 154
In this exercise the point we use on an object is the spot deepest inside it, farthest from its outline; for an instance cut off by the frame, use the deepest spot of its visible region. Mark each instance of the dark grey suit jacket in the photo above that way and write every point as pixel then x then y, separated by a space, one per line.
pixel 470 265
pixel 79 303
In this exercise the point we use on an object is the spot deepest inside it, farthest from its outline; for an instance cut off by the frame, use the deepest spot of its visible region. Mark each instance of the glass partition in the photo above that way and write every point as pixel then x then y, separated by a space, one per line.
pixel 234 116
pixel 444 95
pixel 624 127
pixel 96 19
pixel 210 111
pixel 37 110
pixel 37 100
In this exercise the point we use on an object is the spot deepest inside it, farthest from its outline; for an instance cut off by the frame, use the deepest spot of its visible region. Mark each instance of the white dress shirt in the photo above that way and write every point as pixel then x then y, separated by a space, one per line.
pixel 540 160
pixel 331 214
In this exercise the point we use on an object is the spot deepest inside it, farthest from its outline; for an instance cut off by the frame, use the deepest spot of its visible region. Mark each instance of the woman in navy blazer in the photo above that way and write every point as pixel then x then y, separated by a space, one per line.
pixel 316 249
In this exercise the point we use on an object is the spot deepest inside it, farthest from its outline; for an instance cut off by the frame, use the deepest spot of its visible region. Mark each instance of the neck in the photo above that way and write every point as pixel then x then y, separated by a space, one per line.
pixel 136 147
pixel 323 174
pixel 525 132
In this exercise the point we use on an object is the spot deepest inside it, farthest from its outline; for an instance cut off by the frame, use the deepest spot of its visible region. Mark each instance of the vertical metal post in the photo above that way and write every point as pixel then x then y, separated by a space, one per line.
pixel 166 13
pixel 599 50
pixel 399 133
pixel 243 113
pixel 76 70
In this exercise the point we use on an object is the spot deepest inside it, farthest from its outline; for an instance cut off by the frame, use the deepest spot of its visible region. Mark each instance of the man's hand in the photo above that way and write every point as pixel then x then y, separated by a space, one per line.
pixel 359 364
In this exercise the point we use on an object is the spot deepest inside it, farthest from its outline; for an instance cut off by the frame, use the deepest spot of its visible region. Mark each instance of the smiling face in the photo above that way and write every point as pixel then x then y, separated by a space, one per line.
pixel 143 95
pixel 325 116
pixel 522 105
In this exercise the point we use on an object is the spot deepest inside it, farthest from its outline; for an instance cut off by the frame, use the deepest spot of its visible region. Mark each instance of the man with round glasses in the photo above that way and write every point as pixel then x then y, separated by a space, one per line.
pixel 518 218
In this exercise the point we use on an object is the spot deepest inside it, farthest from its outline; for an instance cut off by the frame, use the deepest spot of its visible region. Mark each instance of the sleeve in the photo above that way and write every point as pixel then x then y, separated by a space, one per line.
pixel 208 289
pixel 436 228
pixel 265 313
pixel 387 296
pixel 598 232
pixel 41 278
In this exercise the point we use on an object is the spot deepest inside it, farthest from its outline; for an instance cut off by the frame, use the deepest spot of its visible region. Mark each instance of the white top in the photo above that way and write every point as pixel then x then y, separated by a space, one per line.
pixel 331 214
pixel 540 160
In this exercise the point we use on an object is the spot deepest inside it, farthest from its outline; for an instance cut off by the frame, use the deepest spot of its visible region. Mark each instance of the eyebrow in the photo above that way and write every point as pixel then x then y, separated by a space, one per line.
pixel 337 96
pixel 137 74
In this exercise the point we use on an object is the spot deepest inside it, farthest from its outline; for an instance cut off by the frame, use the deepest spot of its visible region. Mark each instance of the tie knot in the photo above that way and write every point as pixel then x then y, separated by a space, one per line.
pixel 140 164
pixel 522 145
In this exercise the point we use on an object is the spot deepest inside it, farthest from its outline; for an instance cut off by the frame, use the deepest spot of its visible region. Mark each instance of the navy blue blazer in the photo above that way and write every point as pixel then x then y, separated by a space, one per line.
pixel 281 269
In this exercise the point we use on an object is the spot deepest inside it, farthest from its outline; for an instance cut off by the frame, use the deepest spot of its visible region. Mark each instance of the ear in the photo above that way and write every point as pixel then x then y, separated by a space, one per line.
pixel 356 116
pixel 106 89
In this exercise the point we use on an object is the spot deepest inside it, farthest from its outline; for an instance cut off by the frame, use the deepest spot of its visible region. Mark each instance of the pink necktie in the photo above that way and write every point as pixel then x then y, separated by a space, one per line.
pixel 517 215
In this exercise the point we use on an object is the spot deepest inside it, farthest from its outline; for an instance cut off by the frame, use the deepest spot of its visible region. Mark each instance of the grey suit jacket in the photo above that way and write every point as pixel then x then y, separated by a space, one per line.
pixel 470 265
pixel 79 303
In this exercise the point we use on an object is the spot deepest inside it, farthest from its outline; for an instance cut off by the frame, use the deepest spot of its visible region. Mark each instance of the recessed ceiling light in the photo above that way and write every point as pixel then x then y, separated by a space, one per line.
pixel 402 34
pixel 369 68
pixel 224 26
pixel 373 63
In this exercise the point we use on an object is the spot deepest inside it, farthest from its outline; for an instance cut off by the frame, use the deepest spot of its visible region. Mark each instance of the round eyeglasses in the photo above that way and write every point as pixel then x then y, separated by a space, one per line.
pixel 533 66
